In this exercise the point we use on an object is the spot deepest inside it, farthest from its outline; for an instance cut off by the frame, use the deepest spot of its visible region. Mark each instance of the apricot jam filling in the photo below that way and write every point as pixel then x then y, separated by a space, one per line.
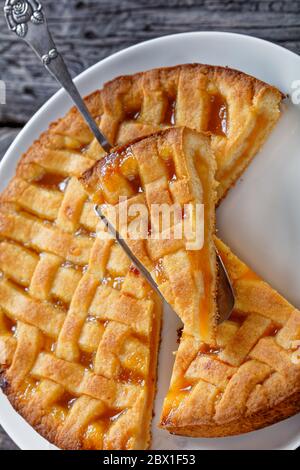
pixel 218 119
pixel 178 392
pixel 170 113
pixel 120 169
pixel 53 181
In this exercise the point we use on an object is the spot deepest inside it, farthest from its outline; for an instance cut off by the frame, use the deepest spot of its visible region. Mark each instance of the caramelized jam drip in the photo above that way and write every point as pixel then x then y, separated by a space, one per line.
pixel 132 115
pixel 95 433
pixel 49 345
pixel 159 272
pixel 123 164
pixel 134 270
pixel 130 376
pixel 218 120
pixel 179 390
pixel 207 349
pixel 93 436
pixel 58 303
pixel 66 401
pixel 171 169
pixel 87 360
pixel 28 388
pixel 59 413
pixel 238 317
pixel 272 330
pixel 53 181
pixel 169 118
pixel 9 324
pixel 135 183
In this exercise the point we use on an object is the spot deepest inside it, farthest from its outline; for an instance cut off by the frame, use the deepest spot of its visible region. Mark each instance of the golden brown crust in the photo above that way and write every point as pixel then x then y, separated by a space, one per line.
pixel 281 411
pixel 44 211
pixel 252 378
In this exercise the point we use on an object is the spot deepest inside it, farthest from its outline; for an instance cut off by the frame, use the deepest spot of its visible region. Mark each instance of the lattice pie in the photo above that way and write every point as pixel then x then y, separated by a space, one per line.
pixel 252 378
pixel 79 327
pixel 175 166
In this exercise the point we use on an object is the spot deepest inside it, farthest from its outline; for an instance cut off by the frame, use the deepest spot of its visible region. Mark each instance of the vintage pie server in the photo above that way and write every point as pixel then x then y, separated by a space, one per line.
pixel 27 19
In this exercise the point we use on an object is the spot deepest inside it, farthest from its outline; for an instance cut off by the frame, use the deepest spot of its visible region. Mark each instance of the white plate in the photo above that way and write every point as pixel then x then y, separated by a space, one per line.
pixel 259 218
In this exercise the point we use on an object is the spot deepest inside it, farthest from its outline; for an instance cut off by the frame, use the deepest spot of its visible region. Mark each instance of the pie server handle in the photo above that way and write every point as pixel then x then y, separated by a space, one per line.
pixel 28 21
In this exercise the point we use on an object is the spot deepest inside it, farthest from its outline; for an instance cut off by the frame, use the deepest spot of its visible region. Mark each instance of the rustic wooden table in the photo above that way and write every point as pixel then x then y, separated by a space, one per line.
pixel 89 30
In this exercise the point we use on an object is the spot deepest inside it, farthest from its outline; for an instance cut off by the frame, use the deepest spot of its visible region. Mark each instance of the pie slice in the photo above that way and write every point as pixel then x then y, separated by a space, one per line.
pixel 252 378
pixel 171 170
pixel 238 110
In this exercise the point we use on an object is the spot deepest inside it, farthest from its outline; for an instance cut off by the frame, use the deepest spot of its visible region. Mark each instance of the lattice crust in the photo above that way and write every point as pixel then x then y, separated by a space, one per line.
pixel 49 253
pixel 252 378
pixel 174 166
pixel 238 110
pixel 79 328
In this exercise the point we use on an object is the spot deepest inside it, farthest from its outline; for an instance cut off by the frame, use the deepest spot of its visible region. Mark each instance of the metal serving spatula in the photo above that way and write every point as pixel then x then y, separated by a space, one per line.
pixel 27 19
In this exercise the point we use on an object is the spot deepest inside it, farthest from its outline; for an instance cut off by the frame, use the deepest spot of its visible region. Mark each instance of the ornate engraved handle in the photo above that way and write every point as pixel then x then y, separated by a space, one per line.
pixel 19 13
pixel 27 19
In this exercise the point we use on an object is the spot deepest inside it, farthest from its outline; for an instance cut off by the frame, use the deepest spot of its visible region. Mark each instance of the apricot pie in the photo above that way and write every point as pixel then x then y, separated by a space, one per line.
pixel 79 327
pixel 173 167
pixel 251 379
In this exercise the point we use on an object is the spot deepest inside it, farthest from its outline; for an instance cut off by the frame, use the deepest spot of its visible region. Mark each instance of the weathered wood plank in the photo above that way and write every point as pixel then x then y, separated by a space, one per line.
pixel 5 442
pixel 89 30
pixel 7 135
